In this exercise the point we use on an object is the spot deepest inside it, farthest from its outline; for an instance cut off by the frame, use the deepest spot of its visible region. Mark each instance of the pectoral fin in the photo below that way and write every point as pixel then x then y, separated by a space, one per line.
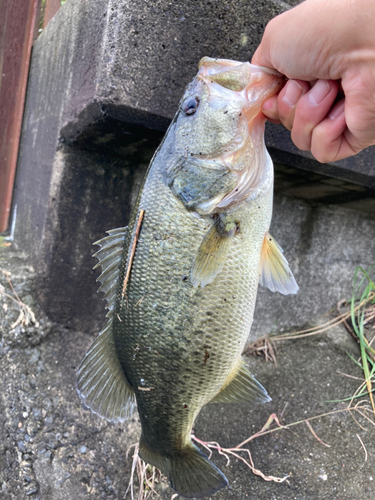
pixel 241 387
pixel 275 272
pixel 213 251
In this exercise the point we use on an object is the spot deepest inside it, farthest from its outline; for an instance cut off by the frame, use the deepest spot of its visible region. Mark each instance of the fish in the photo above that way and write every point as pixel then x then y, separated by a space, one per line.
pixel 181 279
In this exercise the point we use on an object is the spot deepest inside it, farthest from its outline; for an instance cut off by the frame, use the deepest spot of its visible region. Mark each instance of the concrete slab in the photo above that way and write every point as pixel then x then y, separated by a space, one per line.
pixel 52 449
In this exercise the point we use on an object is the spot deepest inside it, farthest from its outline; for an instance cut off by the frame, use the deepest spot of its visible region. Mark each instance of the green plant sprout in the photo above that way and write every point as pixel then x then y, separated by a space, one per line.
pixel 364 288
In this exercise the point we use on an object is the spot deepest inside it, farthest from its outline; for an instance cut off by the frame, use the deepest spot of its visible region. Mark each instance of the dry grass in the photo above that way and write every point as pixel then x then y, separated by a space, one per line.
pixel 148 477
pixel 309 332
pixel 26 316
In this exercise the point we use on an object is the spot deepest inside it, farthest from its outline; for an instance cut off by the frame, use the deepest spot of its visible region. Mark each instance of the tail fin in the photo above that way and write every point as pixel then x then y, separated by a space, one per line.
pixel 190 472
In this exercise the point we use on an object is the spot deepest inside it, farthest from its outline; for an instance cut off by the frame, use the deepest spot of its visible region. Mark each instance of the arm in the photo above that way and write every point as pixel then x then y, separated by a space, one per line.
pixel 327 50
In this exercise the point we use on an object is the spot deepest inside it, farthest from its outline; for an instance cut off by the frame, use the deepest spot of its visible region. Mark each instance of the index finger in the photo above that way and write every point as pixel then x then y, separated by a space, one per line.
pixel 261 56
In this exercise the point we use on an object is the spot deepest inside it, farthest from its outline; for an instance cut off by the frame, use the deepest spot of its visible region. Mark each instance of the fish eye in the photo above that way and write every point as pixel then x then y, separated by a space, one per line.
pixel 190 105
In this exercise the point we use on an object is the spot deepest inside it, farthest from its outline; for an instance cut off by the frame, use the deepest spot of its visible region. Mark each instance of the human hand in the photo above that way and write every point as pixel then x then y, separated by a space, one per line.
pixel 327 50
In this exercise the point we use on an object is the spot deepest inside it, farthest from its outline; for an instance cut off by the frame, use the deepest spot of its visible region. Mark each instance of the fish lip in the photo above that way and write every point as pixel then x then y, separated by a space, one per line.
pixel 211 68
pixel 229 63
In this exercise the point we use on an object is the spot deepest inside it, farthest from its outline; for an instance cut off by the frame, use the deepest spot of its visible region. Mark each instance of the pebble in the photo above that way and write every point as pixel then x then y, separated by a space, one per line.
pixel 31 492
pixel 36 412
pixel 82 449
pixel 21 446
pixel 34 358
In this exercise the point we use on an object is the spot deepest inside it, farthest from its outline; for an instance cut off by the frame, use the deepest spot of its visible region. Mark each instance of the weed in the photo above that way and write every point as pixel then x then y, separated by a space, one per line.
pixel 148 476
pixel 26 315
pixel 364 293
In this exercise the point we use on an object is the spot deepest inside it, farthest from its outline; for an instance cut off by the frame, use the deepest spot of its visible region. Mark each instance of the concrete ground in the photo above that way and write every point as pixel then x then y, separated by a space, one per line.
pixel 53 449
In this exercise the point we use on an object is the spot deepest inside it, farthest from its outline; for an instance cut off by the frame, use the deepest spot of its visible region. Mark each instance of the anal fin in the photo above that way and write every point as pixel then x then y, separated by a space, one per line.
pixel 213 251
pixel 241 387
pixel 275 272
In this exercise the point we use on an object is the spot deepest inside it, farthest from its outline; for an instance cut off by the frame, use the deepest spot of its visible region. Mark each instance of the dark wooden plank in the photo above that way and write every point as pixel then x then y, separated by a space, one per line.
pixel 16 37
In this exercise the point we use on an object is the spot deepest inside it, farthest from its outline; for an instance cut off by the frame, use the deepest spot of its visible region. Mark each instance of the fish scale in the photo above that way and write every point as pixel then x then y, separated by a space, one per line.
pixel 189 273
pixel 174 313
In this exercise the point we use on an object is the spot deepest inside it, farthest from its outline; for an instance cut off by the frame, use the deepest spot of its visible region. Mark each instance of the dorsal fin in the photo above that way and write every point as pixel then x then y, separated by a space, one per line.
pixel 109 257
pixel 101 383
pixel 275 272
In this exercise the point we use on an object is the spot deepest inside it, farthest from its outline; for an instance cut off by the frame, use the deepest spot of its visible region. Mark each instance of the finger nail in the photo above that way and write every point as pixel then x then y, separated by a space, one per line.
pixel 319 91
pixel 293 92
pixel 267 105
pixel 337 110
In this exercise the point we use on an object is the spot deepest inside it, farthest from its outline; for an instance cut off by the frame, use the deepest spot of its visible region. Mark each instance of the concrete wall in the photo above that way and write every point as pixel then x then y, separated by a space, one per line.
pixel 105 81
pixel 323 245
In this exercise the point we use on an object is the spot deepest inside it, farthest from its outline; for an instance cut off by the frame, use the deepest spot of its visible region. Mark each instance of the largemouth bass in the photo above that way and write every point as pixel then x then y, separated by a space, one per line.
pixel 181 280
